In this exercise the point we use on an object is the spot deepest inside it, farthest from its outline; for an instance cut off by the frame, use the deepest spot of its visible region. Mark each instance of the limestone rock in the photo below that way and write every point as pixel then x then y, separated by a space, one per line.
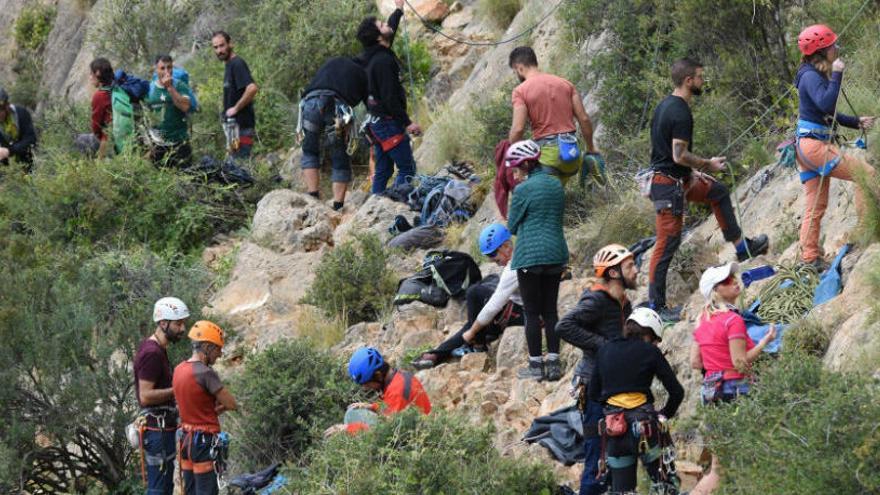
pixel 375 215
pixel 66 59
pixel 475 361
pixel 512 350
pixel 290 222
pixel 431 10
pixel 856 345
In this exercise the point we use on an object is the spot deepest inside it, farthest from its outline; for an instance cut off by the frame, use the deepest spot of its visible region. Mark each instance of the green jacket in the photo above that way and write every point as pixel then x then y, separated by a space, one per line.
pixel 536 220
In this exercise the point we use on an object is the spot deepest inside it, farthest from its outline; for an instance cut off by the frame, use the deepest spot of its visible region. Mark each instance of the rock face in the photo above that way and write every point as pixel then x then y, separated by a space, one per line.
pixel 288 222
pixel 67 58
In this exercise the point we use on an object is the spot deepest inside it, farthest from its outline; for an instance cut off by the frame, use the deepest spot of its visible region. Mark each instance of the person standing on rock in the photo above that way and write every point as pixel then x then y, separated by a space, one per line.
pixel 597 318
pixel 539 257
pixel 553 108
pixel 678 178
pixel 18 138
pixel 390 125
pixel 155 396
pixel 326 112
pixel 239 91
pixel 818 81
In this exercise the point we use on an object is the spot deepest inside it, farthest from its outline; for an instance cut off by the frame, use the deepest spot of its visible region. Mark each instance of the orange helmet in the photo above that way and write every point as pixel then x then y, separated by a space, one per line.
pixel 206 331
pixel 609 257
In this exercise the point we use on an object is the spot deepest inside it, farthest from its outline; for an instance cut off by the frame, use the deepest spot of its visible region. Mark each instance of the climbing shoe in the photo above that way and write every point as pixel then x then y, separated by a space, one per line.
pixel 756 246
pixel 426 361
pixel 534 371
pixel 670 315
pixel 552 370
pixel 468 349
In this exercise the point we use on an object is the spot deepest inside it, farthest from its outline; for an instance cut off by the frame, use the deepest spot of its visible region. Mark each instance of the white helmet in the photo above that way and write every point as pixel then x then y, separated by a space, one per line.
pixel 648 318
pixel 170 308
pixel 522 151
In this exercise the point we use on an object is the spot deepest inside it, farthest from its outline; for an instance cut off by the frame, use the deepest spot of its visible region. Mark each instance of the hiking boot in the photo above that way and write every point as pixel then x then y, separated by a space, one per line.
pixel 756 246
pixel 534 371
pixel 552 370
pixel 669 315
pixel 426 361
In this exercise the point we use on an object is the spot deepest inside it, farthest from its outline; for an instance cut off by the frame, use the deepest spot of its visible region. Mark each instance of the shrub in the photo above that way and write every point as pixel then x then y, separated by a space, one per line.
pixel 353 281
pixel 806 336
pixel 410 453
pixel 493 114
pixel 321 331
pixel 597 222
pixel 32 27
pixel 289 394
pixel 799 431
pixel 499 12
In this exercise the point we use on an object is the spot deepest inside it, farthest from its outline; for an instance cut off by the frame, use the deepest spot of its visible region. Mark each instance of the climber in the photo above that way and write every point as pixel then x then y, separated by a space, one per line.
pixel 553 108
pixel 493 304
pixel 239 91
pixel 152 389
pixel 818 81
pixel 722 349
pixel 678 178
pixel 170 101
pixel 621 381
pixel 539 257
pixel 17 135
pixel 201 398
pixel 100 78
pixel 597 318
pixel 326 112
pixel 389 123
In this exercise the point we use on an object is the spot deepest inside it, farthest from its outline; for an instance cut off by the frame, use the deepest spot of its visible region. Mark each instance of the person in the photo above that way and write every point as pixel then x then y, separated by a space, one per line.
pixel 597 318
pixel 390 125
pixel 399 389
pixel 553 108
pixel 338 86
pixel 239 91
pixel 621 381
pixel 101 78
pixel 17 135
pixel 722 349
pixel 678 178
pixel 201 398
pixel 493 304
pixel 170 102
pixel 818 81
pixel 154 394
pixel 539 257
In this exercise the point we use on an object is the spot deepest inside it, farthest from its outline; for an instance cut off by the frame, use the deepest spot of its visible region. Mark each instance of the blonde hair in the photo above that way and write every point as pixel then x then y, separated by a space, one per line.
pixel 715 305
pixel 819 60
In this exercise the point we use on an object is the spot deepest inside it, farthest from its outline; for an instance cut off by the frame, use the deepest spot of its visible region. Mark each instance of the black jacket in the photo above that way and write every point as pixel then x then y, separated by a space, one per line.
pixel 630 365
pixel 597 318
pixel 387 96
pixel 22 149
pixel 344 76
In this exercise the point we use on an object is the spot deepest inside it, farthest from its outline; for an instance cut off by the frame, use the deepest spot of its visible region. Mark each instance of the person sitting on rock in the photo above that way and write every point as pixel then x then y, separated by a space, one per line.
pixel 17 135
pixel 621 381
pixel 493 304
pixel 597 318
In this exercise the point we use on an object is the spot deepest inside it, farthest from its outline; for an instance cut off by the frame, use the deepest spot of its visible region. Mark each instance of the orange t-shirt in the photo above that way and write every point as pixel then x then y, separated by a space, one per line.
pixel 395 399
pixel 548 100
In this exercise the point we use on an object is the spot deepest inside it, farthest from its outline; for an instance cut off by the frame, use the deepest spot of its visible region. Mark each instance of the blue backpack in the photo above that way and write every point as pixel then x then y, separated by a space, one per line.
pixel 136 88
pixel 179 74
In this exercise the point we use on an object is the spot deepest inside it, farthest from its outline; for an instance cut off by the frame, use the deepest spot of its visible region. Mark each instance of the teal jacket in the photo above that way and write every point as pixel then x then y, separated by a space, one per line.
pixel 536 220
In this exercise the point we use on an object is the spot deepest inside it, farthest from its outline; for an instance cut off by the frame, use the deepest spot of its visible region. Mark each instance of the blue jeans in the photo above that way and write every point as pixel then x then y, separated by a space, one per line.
pixel 592 451
pixel 401 155
pixel 160 452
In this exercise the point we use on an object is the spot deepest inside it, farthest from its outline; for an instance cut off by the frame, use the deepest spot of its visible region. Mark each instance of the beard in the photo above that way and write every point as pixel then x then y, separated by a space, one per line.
pixel 697 90
pixel 521 78
pixel 629 283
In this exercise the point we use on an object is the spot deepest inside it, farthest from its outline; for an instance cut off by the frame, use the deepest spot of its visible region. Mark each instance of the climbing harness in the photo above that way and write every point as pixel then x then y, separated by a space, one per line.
pixel 218 452
pixel 811 130
pixel 157 416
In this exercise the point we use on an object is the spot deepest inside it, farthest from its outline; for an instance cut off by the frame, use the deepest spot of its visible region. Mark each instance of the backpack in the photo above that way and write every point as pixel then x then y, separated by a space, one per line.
pixel 426 184
pixel 178 74
pixel 125 96
pixel 444 274
pixel 136 88
pixel 446 204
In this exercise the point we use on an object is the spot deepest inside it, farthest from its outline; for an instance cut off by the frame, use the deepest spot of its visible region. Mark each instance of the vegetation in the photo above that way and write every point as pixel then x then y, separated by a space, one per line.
pixel 499 12
pixel 32 27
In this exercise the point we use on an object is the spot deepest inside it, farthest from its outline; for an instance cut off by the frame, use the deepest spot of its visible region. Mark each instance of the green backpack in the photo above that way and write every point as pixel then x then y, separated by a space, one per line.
pixel 123 118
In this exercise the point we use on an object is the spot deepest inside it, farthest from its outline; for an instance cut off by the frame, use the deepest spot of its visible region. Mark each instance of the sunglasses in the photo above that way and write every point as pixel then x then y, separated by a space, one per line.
pixel 730 280
pixel 493 254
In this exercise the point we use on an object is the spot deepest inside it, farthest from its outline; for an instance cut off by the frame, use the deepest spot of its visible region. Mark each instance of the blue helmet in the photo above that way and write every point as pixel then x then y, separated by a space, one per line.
pixel 363 363
pixel 492 237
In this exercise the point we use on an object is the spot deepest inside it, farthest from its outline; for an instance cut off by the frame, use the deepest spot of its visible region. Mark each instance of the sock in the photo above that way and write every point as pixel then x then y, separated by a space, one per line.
pixel 552 356
pixel 315 194
pixel 740 246
pixel 536 359
pixel 337 205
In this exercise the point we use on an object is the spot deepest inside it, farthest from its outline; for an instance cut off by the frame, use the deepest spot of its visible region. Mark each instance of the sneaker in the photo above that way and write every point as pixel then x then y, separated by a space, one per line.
pixel 426 361
pixel 552 370
pixel 468 349
pixel 534 371
pixel 756 246
pixel 670 315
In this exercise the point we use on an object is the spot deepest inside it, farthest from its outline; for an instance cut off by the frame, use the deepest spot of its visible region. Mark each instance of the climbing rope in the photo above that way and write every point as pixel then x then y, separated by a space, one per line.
pixel 789 294
pixel 407 48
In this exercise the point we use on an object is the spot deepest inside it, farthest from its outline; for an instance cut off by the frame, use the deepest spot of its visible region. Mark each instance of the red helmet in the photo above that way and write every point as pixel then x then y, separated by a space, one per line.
pixel 815 38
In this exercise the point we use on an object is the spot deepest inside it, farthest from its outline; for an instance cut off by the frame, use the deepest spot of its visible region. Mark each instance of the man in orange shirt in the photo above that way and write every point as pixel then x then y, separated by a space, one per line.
pixel 550 105
pixel 201 398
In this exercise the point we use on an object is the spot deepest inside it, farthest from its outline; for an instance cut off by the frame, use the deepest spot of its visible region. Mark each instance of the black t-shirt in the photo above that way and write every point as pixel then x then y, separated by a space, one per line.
pixel 343 76
pixel 236 78
pixel 672 120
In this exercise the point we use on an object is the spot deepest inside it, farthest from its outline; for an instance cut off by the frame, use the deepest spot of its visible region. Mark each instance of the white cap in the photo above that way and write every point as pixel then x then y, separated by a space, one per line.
pixel 648 318
pixel 715 274
pixel 170 308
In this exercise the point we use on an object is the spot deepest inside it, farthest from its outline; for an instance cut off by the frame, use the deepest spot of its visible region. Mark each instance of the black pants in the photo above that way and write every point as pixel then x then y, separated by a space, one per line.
pixel 625 449
pixel 539 288
pixel 177 156
pixel 197 464
pixel 476 298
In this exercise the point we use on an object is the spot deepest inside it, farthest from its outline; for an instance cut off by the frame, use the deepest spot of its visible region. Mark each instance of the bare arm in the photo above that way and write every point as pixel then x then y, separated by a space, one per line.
pixel 696 358
pixel 226 400
pixel 151 396
pixel 250 91
pixel 180 101
pixel 580 114
pixel 682 156
pixel 518 127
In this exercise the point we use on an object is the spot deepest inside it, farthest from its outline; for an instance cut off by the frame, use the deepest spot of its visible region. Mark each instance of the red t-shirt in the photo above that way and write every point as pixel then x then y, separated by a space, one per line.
pixel 714 336
pixel 195 389
pixel 102 113
pixel 548 100
pixel 151 364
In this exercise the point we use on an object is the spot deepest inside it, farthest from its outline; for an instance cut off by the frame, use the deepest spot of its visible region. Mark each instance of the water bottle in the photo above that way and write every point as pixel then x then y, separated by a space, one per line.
pixel 230 130
pixel 755 274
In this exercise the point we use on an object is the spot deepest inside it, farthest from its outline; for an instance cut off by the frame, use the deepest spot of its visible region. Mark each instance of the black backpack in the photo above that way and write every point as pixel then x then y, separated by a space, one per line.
pixel 444 274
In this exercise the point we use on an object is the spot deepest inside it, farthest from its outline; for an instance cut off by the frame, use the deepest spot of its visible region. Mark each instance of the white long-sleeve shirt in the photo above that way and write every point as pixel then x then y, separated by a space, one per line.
pixel 507 290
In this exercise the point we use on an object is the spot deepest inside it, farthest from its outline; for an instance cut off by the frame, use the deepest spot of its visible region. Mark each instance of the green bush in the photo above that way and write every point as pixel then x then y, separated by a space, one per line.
pixel 353 281
pixel 807 336
pixel 597 221
pixel 32 27
pixel 410 453
pixel 289 394
pixel 802 430
pixel 499 12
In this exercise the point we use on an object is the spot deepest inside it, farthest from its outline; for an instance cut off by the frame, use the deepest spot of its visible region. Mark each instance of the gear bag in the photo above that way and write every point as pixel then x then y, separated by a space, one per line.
pixel 444 274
